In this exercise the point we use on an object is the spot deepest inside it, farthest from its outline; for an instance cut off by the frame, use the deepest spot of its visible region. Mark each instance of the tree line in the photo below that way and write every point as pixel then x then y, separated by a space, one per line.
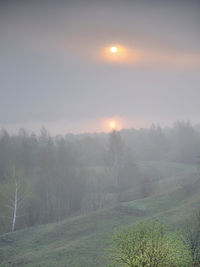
pixel 46 178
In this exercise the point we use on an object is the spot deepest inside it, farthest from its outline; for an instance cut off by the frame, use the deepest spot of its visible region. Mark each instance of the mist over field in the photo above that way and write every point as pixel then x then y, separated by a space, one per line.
pixel 99 132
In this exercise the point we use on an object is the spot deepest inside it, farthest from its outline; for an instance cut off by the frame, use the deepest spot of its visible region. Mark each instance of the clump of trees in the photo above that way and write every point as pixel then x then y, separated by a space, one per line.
pixel 119 163
pixel 150 244
pixel 73 174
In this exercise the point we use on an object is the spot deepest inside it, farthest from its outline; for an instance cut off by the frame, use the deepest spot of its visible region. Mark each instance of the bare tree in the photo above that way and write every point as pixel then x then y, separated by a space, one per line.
pixel 13 196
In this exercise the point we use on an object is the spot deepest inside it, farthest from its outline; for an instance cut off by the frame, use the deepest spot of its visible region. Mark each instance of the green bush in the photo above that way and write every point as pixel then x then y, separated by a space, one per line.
pixel 192 234
pixel 149 244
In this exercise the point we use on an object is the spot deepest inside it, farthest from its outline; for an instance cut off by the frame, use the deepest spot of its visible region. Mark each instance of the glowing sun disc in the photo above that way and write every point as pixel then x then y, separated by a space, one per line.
pixel 113 49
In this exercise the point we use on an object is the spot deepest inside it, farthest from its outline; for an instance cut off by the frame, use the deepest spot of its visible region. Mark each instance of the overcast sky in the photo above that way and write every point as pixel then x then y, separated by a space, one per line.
pixel 56 71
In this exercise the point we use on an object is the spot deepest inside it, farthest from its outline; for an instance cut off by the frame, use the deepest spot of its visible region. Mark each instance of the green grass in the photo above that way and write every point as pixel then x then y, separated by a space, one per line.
pixel 82 241
pixel 173 208
pixel 75 242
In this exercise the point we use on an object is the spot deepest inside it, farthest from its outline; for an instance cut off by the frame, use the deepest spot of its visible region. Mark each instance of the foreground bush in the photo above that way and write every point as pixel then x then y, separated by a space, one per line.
pixel 192 234
pixel 149 244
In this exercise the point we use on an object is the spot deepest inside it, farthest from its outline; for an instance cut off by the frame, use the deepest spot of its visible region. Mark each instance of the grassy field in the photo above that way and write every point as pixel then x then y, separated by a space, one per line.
pixel 82 241
pixel 75 242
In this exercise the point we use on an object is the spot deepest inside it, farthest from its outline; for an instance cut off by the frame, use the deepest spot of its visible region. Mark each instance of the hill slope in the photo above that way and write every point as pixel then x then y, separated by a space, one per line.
pixel 82 241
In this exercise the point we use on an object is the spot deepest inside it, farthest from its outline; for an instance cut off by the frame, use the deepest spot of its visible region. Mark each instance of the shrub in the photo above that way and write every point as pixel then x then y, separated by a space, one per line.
pixel 149 244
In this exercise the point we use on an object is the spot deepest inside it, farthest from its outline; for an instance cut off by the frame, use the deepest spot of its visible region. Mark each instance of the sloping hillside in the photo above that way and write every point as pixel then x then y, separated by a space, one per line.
pixel 82 241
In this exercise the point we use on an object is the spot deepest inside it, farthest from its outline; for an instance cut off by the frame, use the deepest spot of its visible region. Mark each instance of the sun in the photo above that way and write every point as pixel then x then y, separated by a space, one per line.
pixel 117 53
pixel 112 125
pixel 113 49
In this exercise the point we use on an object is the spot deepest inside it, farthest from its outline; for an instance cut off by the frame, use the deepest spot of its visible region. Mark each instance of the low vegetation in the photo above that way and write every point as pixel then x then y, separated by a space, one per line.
pixel 150 244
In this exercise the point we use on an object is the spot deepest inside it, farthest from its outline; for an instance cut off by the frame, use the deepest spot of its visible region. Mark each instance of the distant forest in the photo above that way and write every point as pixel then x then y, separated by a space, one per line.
pixel 46 179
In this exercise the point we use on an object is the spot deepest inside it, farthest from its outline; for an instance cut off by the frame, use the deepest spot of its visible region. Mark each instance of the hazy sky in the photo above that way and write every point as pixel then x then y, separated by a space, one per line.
pixel 56 70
